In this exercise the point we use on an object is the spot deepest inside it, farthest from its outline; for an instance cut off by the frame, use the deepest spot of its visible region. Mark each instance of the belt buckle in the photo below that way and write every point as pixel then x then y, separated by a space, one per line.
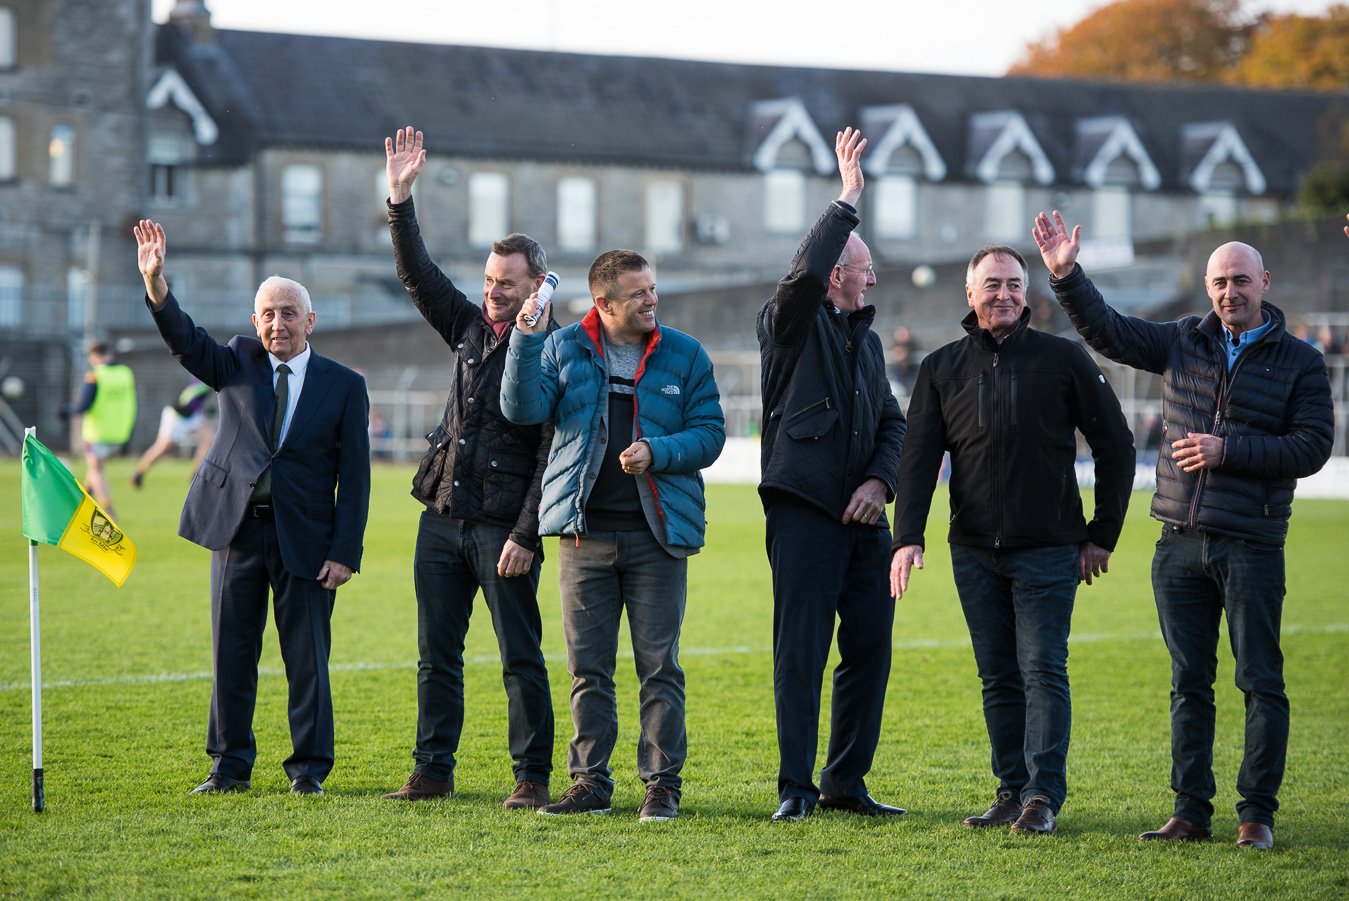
pixel 260 511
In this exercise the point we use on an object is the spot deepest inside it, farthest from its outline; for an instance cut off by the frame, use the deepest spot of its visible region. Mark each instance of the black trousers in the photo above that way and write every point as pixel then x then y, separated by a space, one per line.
pixel 824 569
pixel 454 559
pixel 241 577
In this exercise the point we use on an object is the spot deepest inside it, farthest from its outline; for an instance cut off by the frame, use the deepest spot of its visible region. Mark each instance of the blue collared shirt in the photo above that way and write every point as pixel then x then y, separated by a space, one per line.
pixel 1235 346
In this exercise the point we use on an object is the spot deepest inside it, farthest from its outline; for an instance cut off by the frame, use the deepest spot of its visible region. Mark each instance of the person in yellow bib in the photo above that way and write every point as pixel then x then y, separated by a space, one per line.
pixel 108 405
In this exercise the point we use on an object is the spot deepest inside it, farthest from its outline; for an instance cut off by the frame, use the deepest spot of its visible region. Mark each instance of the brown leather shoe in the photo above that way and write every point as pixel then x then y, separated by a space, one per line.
pixel 1256 836
pixel 1005 810
pixel 527 794
pixel 1036 818
pixel 1178 829
pixel 420 788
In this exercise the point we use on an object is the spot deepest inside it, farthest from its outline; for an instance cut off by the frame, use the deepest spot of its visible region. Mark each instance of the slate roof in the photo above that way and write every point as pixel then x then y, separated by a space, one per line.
pixel 266 89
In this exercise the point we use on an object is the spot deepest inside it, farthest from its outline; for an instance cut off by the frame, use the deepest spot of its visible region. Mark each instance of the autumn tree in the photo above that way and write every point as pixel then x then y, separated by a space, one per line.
pixel 1143 40
pixel 1295 51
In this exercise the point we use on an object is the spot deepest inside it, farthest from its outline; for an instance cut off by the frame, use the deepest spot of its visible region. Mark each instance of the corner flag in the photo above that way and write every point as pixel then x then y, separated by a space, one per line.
pixel 57 510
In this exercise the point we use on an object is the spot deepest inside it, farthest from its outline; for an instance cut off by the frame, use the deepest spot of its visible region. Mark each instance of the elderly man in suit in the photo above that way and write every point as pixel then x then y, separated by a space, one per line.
pixel 281 501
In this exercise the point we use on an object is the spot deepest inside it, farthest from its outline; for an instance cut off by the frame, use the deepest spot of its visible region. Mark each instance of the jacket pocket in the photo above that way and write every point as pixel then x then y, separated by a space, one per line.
pixel 812 422
pixel 433 461
pixel 505 483
pixel 212 474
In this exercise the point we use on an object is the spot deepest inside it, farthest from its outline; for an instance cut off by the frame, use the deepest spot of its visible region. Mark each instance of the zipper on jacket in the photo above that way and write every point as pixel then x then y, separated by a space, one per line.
pixel 982 398
pixel 997 459
pixel 1193 519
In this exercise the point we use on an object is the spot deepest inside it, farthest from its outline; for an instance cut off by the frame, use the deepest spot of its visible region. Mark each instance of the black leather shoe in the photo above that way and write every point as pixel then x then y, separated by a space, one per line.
pixel 305 785
pixel 793 809
pixel 865 806
pixel 216 783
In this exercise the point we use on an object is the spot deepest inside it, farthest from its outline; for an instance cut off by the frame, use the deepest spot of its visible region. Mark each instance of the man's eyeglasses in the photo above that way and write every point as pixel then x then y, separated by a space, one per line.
pixel 869 270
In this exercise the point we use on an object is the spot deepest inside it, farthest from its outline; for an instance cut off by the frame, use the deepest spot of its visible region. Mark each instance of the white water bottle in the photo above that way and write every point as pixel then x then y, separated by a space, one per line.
pixel 544 295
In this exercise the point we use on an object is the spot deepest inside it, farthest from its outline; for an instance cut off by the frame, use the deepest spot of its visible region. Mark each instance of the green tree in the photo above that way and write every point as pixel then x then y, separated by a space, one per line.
pixel 1324 190
pixel 1143 40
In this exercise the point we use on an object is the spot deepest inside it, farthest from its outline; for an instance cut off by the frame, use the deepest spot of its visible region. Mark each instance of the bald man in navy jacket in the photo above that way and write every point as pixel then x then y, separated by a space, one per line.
pixel 281 501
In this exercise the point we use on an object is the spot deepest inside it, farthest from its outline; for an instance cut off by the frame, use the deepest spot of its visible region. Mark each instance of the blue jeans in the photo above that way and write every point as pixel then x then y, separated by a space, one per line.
pixel 1018 604
pixel 454 558
pixel 1197 577
pixel 599 576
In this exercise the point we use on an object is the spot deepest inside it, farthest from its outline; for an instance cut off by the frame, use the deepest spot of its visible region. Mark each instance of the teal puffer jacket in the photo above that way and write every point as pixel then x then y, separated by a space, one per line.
pixel 563 377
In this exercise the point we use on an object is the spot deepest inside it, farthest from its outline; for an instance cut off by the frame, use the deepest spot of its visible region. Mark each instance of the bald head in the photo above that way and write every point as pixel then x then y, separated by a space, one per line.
pixel 1237 249
pixel 852 276
pixel 1236 282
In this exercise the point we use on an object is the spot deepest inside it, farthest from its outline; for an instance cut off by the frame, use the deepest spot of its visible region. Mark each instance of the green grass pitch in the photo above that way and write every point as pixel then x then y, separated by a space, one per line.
pixel 127 684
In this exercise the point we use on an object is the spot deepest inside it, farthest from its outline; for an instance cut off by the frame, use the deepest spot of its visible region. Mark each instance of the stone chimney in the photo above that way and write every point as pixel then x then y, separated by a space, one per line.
pixel 194 18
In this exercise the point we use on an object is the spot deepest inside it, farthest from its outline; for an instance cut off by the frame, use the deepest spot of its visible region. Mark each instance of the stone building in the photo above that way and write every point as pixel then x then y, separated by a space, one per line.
pixel 263 153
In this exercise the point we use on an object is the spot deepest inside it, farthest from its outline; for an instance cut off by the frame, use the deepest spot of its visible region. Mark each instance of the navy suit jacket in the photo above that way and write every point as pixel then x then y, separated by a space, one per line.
pixel 320 475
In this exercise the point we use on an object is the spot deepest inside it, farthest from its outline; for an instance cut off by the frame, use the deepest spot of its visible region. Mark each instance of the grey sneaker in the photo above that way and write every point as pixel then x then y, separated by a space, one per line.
pixel 660 805
pixel 580 798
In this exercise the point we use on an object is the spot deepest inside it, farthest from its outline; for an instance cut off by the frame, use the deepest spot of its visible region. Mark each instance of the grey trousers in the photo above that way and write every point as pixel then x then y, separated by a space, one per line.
pixel 599 576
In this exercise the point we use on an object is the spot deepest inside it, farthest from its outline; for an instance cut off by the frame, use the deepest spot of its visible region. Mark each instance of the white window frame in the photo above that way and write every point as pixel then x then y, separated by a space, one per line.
pixel 9 167
pixel 1005 211
pixel 61 154
pixel 664 209
pixel 895 207
pixel 1112 213
pixel 577 220
pixel 302 203
pixel 11 295
pixel 784 206
pixel 9 39
pixel 168 176
pixel 489 208
pixel 1216 208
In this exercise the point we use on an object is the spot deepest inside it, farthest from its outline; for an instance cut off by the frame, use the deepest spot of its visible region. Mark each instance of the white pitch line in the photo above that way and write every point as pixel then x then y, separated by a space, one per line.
pixel 486 659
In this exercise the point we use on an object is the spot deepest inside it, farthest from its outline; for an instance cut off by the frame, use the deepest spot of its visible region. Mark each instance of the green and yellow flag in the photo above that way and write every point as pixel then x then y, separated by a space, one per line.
pixel 57 510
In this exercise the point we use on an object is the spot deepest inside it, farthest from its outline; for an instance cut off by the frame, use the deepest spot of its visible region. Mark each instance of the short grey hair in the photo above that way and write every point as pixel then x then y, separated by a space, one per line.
pixel 995 250
pixel 283 285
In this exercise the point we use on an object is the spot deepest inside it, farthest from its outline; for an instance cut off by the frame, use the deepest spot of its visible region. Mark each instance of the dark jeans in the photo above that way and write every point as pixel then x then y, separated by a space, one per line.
pixel 1018 604
pixel 241 576
pixel 455 558
pixel 601 575
pixel 1196 577
pixel 824 569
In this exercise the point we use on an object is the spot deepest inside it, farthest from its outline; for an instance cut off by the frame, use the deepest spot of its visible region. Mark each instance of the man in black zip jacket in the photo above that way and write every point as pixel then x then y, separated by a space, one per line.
pixel 480 481
pixel 832 431
pixel 1246 410
pixel 1006 402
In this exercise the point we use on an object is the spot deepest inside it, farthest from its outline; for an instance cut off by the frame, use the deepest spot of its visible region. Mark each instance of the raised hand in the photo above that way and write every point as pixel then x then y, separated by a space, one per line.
pixel 404 157
pixel 1058 249
pixel 539 312
pixel 151 247
pixel 848 147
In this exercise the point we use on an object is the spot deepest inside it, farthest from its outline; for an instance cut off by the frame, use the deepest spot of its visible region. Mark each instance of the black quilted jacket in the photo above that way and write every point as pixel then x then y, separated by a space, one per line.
pixel 479 466
pixel 830 421
pixel 1273 411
